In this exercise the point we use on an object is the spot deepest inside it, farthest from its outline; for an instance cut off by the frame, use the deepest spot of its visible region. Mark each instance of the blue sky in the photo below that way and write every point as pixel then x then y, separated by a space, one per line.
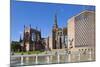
pixel 41 15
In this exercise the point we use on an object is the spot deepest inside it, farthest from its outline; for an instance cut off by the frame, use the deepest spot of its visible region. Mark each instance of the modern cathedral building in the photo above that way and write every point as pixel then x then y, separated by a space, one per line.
pixel 81 31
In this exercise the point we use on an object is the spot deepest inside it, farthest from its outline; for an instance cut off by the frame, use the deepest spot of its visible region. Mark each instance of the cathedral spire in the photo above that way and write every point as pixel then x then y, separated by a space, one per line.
pixel 55 21
pixel 30 25
pixel 20 38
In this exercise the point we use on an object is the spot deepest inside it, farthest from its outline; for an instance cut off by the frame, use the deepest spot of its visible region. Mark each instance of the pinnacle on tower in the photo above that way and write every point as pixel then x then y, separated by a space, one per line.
pixel 36 28
pixel 55 21
pixel 24 26
pixel 20 38
pixel 30 25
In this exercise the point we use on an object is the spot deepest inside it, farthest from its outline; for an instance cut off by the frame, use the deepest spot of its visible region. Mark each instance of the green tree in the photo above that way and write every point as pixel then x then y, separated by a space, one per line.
pixel 15 46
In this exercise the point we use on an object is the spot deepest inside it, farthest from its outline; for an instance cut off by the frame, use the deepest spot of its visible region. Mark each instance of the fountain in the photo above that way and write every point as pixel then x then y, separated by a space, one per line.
pixel 48 59
pixel 36 59
pixel 58 58
pixel 22 60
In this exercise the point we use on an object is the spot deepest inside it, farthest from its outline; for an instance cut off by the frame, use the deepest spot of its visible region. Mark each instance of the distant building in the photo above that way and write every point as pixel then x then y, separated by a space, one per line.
pixel 46 40
pixel 81 30
pixel 59 36
pixel 48 43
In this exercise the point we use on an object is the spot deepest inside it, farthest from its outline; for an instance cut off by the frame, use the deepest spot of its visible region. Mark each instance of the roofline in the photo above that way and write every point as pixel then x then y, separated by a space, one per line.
pixel 80 13
pixel 83 12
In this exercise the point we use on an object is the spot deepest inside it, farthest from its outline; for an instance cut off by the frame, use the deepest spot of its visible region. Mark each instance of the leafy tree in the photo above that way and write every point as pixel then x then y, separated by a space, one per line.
pixel 15 46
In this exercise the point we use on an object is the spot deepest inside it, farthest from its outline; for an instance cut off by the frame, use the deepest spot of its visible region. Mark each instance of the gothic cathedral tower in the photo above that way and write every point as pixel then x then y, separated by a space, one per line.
pixel 27 38
pixel 54 30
